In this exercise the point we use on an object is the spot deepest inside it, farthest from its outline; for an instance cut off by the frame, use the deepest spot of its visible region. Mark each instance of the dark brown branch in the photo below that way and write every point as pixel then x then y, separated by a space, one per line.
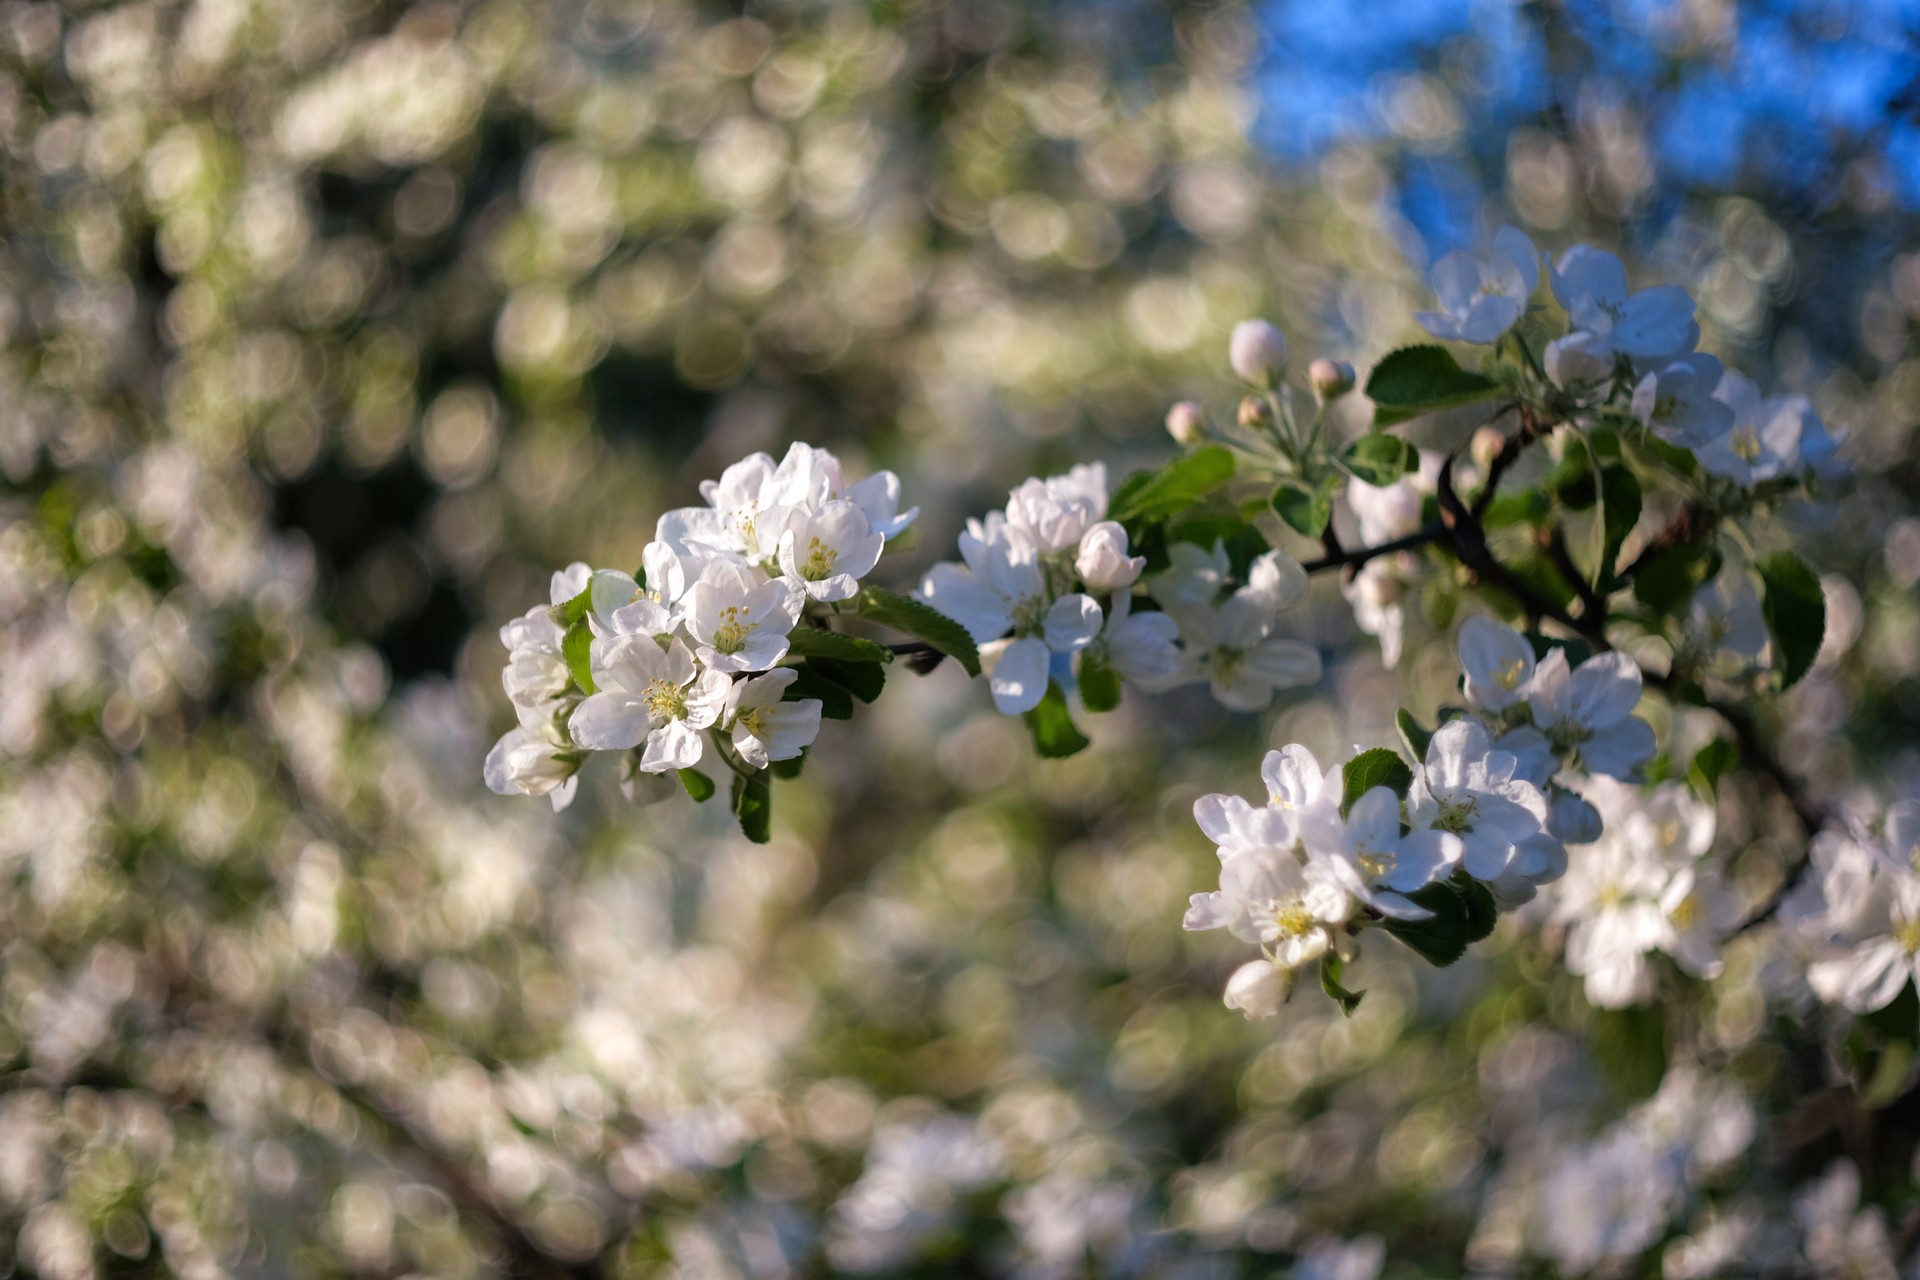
pixel 1342 559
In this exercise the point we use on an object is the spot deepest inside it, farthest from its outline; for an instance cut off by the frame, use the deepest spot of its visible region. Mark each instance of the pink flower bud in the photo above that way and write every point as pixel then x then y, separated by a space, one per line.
pixel 1257 352
pixel 1330 379
pixel 1185 422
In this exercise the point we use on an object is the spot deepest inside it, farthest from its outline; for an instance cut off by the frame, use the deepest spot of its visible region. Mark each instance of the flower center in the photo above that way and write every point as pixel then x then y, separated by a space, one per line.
pixel 1226 662
pixel 819 562
pixel 1907 934
pixel 664 699
pixel 1507 674
pixel 1664 407
pixel 1290 916
pixel 1376 862
pixel 1745 445
pixel 1683 914
pixel 754 721
pixel 734 630
pixel 1457 815
pixel 1029 616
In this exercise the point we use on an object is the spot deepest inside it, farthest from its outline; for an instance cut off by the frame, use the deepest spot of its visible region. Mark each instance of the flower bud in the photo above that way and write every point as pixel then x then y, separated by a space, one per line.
pixel 1185 421
pixel 1330 379
pixel 1486 442
pixel 1258 988
pixel 1578 359
pixel 1255 412
pixel 1257 352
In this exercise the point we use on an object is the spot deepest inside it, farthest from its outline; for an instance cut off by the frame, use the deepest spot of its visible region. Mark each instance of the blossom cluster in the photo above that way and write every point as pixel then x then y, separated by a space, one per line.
pixel 1050 590
pixel 687 655
pixel 1632 349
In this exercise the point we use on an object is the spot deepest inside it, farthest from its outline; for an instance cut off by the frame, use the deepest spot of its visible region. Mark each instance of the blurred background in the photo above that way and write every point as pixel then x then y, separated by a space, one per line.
pixel 328 328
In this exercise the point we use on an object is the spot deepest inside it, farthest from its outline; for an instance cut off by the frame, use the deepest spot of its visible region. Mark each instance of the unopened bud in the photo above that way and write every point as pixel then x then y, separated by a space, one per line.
pixel 1330 379
pixel 1487 442
pixel 1185 422
pixel 1257 352
pixel 1255 412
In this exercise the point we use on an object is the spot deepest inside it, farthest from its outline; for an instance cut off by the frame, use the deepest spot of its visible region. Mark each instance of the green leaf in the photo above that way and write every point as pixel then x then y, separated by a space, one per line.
pixel 1576 649
pixel 818 642
pixel 1180 484
pixel 1305 510
pixel 1099 685
pixel 1796 613
pixel 1412 733
pixel 1898 1020
pixel 698 784
pixel 1054 734
pixel 1668 579
pixel 922 622
pixel 790 768
pixel 575 609
pixel 1710 764
pixel 577 647
pixel 1330 970
pixel 1381 459
pixel 1631 1046
pixel 1243 542
pixel 1527 506
pixel 753 805
pixel 1416 380
pixel 836 703
pixel 1380 767
pixel 1620 507
pixel 864 680
pixel 1463 913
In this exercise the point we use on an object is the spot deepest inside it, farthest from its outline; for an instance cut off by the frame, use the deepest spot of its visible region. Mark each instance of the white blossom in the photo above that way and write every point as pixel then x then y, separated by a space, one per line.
pixel 1233 646
pixel 1725 616
pixel 828 549
pixel 1591 285
pixel 766 728
pixel 1763 439
pixel 1679 402
pixel 1269 897
pixel 1589 711
pixel 1467 787
pixel 652 695
pixel 1498 663
pixel 740 619
pixel 1483 297
pixel 1379 865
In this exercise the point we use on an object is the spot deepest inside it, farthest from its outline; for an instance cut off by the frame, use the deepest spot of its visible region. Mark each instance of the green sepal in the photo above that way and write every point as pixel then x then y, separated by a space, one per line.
pixel 1054 734
pixel 698 785
pixel 753 804
pixel 1330 972
pixel 1099 685
pixel 577 647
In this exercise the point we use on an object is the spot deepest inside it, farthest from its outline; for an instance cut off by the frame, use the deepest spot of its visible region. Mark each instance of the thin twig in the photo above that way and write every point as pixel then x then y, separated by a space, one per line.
pixel 1360 555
